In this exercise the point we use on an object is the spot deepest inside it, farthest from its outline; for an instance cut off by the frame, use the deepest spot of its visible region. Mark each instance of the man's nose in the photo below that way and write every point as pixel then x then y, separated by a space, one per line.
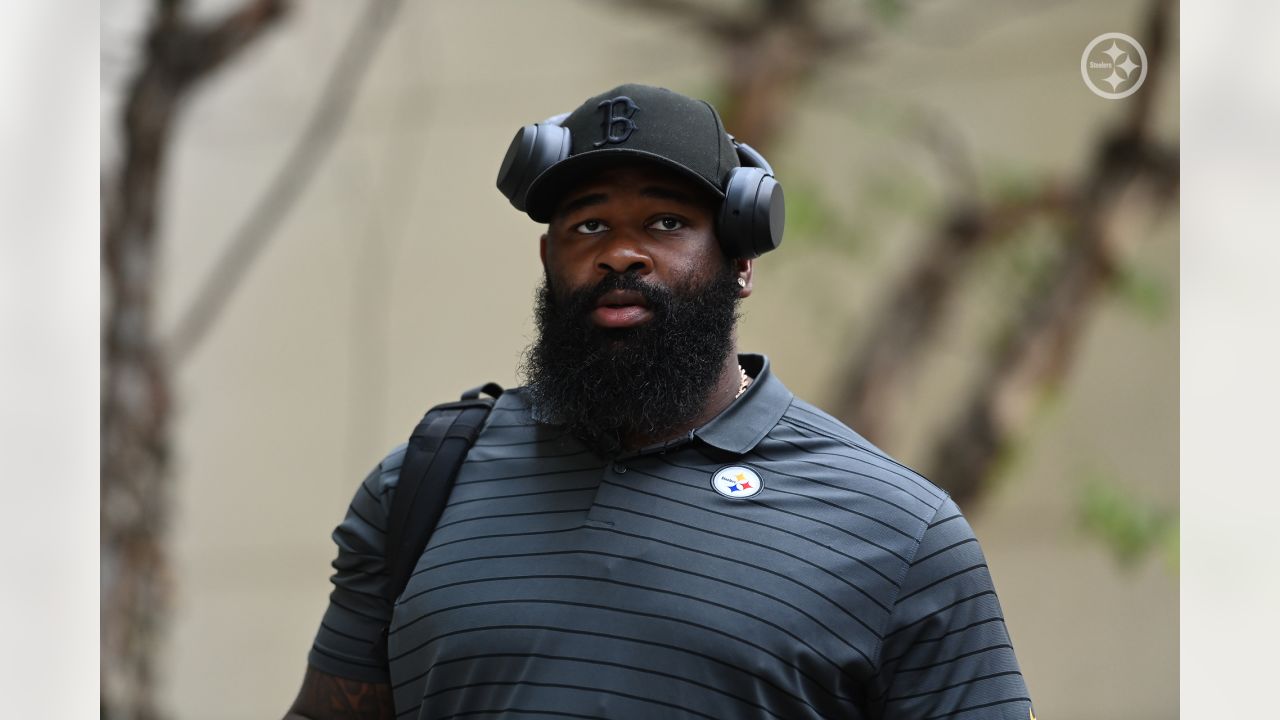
pixel 623 253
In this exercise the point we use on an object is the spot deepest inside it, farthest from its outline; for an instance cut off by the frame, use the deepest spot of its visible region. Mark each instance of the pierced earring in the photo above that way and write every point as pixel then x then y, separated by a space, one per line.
pixel 742 282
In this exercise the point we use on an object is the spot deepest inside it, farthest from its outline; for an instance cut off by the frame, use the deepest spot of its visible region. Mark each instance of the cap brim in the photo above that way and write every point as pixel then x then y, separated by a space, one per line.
pixel 547 190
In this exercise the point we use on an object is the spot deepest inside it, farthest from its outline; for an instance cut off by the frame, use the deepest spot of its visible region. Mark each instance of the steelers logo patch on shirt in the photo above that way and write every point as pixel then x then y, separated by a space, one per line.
pixel 736 482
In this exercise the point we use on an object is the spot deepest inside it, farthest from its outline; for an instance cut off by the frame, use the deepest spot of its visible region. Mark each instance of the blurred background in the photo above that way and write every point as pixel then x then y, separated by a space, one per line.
pixel 303 249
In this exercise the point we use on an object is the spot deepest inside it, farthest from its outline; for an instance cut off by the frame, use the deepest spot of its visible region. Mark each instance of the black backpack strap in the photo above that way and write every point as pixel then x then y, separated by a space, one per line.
pixel 494 390
pixel 435 451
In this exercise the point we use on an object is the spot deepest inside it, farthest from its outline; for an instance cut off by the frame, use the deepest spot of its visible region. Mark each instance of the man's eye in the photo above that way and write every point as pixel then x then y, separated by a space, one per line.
pixel 667 223
pixel 590 227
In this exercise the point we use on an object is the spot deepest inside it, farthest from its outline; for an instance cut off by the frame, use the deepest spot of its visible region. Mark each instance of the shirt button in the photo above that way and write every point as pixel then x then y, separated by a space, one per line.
pixel 619 468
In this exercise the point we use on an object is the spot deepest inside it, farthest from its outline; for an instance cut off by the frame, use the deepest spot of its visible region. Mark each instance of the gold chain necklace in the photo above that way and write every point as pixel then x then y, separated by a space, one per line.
pixel 746 380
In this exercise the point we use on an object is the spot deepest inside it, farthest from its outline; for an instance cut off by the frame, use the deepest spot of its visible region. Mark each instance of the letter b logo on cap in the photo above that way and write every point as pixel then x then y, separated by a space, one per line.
pixel 617 121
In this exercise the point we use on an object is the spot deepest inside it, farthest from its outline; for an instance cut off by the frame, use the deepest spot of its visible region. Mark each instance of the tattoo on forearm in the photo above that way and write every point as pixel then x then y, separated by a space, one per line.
pixel 326 697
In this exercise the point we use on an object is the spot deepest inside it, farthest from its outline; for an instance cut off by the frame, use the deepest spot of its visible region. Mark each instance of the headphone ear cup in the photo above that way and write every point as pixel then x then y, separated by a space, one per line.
pixel 753 215
pixel 534 149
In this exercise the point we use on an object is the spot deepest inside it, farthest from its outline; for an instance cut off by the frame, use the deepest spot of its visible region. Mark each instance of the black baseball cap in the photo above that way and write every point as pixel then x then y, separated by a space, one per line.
pixel 638 122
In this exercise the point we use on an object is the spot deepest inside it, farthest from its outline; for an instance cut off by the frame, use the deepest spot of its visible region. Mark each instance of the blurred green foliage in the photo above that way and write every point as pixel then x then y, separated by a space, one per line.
pixel 1130 527
pixel 808 213
pixel 814 221
pixel 1010 185
pixel 1144 292
pixel 890 12
pixel 900 193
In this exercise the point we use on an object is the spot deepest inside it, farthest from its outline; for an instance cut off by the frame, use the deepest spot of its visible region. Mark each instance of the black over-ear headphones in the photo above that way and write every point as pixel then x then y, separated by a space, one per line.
pixel 751 218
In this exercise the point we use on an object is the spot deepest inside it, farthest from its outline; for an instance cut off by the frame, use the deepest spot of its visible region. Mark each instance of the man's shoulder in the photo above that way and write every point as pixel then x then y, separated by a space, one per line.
pixel 386 474
pixel 825 446
pixel 510 409
pixel 812 420
pixel 512 406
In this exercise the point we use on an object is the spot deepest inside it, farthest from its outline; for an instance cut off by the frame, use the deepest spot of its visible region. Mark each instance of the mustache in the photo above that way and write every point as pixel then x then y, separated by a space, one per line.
pixel 583 300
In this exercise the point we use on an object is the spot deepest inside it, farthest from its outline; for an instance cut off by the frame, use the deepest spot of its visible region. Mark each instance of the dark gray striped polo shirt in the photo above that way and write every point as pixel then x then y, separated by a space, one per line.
pixel 773 564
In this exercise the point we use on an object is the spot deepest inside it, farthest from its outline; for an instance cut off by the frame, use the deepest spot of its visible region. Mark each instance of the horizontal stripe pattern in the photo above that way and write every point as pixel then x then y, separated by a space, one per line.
pixel 561 584
pixel 946 652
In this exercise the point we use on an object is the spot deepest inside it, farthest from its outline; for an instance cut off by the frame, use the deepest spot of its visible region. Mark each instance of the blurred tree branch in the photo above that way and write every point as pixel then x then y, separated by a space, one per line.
pixel 1044 340
pixel 915 308
pixel 292 178
pixel 135 389
pixel 769 54
pixel 771 51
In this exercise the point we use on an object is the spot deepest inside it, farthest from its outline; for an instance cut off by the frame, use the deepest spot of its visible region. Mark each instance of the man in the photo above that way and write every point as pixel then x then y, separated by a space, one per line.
pixel 655 526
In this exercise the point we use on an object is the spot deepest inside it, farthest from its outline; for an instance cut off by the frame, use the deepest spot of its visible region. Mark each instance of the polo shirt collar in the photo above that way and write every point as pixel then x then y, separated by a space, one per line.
pixel 752 415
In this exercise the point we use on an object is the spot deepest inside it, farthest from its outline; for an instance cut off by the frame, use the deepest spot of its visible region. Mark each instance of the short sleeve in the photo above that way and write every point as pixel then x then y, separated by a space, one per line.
pixel 347 643
pixel 946 651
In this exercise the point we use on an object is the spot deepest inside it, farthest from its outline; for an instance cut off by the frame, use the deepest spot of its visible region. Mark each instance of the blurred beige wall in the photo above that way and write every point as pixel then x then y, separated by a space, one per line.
pixel 403 277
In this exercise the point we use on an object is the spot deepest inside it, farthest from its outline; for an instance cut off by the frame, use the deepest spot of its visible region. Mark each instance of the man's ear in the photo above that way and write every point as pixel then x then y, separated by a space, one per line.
pixel 542 250
pixel 743 268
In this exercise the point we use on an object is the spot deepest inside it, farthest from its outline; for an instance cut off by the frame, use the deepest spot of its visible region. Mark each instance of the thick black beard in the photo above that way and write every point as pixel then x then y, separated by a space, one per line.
pixel 606 385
